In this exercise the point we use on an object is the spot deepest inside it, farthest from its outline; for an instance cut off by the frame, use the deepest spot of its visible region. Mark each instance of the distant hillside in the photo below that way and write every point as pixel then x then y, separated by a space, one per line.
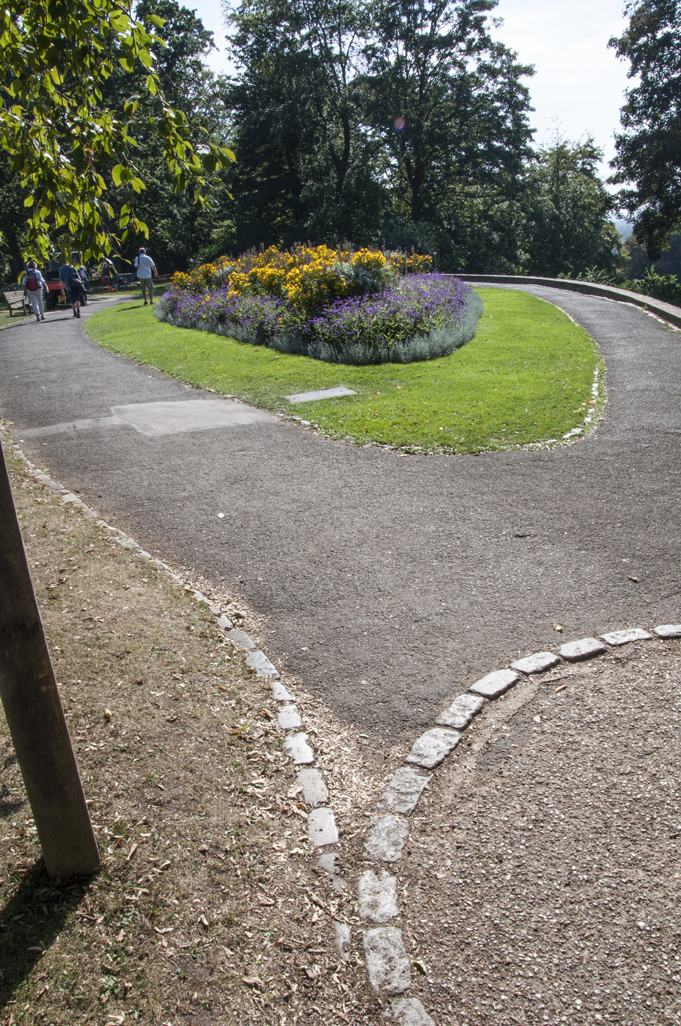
pixel 637 260
pixel 622 226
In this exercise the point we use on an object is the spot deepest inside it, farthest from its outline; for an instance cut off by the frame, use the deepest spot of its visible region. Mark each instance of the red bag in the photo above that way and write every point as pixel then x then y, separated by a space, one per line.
pixel 32 281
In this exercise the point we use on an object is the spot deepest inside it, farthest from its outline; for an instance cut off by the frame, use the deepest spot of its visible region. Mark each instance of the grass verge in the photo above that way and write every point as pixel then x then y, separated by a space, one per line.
pixel 525 378
pixel 208 908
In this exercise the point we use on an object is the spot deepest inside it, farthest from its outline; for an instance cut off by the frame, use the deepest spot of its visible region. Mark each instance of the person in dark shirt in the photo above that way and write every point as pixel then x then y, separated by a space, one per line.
pixel 71 286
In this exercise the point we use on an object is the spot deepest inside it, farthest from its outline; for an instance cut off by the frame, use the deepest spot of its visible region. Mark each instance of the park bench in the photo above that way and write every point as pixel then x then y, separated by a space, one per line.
pixel 16 301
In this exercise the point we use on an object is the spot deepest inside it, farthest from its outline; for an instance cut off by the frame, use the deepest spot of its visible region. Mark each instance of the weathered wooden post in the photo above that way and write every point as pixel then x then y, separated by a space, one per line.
pixel 35 717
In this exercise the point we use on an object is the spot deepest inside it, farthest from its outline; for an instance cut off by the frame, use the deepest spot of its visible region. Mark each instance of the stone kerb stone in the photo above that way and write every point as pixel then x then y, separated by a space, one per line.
pixel 536 663
pixel 377 896
pixel 403 791
pixel 585 648
pixel 407 1012
pixel 668 630
pixel 461 711
pixel 495 684
pixel 387 838
pixel 387 963
pixel 431 748
pixel 624 637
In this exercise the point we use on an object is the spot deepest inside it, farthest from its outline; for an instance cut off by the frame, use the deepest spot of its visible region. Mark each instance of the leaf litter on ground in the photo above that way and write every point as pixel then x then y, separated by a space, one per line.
pixel 207 873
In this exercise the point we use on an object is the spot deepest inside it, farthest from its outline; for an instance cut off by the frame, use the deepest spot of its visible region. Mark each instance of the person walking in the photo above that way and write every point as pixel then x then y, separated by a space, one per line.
pixel 71 286
pixel 145 268
pixel 33 284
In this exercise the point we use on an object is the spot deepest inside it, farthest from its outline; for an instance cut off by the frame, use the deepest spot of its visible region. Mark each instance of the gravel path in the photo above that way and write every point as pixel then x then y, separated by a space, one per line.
pixel 384 584
pixel 544 873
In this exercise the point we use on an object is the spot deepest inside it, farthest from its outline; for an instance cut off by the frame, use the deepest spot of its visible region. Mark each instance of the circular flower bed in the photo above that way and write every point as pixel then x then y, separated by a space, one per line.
pixel 357 310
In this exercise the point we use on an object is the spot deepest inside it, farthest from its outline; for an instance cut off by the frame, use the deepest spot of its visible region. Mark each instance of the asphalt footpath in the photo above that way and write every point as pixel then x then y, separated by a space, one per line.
pixel 385 584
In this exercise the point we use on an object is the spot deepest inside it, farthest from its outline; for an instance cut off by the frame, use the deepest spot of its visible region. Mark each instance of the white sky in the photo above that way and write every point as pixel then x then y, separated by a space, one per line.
pixel 579 83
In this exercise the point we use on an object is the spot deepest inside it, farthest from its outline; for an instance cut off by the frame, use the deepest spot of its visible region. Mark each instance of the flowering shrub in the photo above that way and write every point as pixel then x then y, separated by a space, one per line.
pixel 415 317
pixel 207 276
pixel 308 277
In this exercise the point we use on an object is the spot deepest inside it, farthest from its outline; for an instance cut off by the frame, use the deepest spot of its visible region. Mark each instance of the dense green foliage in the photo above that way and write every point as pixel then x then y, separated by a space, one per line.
pixel 525 377
pixel 666 287
pixel 364 121
pixel 70 134
pixel 648 159
pixel 567 212
pixel 405 122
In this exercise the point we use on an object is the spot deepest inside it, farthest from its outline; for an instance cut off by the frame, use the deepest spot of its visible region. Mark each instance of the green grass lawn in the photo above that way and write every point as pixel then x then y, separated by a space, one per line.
pixel 524 378
pixel 17 317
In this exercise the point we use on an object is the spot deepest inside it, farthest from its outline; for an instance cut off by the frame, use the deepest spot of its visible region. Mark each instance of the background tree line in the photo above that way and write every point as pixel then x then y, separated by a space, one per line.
pixel 402 122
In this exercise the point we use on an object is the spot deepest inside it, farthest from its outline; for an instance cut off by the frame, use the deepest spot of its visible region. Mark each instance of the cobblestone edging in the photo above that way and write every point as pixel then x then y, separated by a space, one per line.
pixel 321 822
pixel 388 964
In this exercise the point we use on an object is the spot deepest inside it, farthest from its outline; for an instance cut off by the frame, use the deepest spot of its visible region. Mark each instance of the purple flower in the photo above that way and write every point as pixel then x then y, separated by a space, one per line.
pixel 370 328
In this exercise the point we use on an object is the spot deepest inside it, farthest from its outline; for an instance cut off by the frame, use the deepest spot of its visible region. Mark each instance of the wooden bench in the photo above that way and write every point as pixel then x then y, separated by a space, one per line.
pixel 17 301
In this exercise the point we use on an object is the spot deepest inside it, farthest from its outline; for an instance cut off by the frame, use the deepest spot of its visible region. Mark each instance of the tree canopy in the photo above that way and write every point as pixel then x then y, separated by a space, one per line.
pixel 403 121
pixel 567 213
pixel 354 119
pixel 366 121
pixel 67 128
pixel 648 157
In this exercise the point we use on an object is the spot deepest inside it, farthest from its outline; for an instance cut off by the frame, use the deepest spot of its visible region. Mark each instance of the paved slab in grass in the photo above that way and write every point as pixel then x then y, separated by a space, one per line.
pixel 320 393
pixel 386 584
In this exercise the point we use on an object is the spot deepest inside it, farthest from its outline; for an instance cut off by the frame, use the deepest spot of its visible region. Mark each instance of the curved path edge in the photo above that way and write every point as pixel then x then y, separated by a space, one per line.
pixel 666 311
pixel 321 821
pixel 388 963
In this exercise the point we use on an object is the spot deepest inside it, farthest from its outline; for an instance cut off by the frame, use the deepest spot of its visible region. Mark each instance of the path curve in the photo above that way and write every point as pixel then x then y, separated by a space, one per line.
pixel 385 583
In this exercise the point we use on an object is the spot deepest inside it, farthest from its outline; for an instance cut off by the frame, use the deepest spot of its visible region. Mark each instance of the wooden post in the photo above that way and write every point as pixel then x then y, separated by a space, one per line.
pixel 35 717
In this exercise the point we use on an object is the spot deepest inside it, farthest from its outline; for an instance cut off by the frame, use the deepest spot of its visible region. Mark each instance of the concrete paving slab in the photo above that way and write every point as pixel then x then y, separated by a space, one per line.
pixel 315 791
pixel 88 424
pixel 259 662
pixel 288 718
pixel 241 640
pixel 297 747
pixel 342 939
pixel 164 418
pixel 279 692
pixel 320 393
pixel 321 827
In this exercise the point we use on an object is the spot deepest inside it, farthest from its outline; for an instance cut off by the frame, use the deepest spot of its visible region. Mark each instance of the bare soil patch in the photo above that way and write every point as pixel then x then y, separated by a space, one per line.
pixel 209 907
